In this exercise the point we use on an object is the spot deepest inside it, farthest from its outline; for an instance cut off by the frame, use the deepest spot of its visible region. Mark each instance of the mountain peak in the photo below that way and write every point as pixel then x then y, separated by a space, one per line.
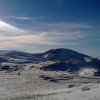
pixel 59 50
pixel 64 54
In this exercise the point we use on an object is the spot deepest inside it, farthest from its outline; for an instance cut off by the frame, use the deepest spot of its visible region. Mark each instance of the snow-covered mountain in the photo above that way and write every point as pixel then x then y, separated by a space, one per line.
pixel 63 60
pixel 64 54
pixel 52 55
pixel 23 56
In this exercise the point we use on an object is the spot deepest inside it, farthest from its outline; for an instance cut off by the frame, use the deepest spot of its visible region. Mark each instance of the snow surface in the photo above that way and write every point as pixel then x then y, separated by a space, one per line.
pixel 30 86
pixel 76 94
pixel 87 59
pixel 87 72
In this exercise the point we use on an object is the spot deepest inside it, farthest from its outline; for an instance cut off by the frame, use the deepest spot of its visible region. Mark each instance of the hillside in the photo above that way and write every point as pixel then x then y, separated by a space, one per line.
pixel 61 60
pixel 57 74
pixel 60 54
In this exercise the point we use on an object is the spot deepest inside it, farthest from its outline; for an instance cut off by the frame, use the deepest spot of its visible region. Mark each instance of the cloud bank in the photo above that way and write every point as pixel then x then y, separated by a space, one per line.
pixel 43 34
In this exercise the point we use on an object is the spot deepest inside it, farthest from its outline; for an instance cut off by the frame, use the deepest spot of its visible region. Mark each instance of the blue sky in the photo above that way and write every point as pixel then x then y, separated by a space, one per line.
pixel 39 25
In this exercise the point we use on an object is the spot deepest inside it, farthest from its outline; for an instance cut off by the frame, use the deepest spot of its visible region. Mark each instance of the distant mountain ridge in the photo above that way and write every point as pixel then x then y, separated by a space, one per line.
pixel 64 59
pixel 2 52
pixel 51 55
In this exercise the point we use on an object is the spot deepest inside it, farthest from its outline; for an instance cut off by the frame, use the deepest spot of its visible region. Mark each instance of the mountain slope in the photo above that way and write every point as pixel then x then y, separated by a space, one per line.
pixel 60 54
pixel 2 52
pixel 26 57
pixel 63 60
pixel 64 54
pixel 3 59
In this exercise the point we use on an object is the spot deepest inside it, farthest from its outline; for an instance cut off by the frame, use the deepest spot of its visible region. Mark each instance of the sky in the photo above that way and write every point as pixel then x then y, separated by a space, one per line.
pixel 39 25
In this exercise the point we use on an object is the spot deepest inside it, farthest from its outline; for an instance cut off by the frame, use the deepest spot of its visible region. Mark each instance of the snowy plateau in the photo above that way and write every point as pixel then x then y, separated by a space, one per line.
pixel 57 74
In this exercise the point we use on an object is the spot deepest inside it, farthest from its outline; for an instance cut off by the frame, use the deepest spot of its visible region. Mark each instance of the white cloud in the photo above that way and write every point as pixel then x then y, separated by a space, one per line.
pixel 21 17
pixel 60 27
pixel 21 41
pixel 9 30
pixel 42 39
pixel 27 18
pixel 15 38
